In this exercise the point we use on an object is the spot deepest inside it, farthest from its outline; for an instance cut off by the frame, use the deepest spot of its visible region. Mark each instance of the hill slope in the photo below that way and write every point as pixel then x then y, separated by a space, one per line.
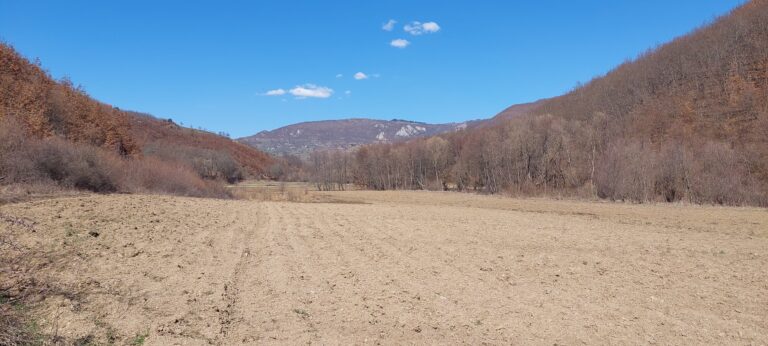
pixel 303 138
pixel 49 108
pixel 53 135
pixel 687 121
pixel 514 111
pixel 149 131
pixel 710 86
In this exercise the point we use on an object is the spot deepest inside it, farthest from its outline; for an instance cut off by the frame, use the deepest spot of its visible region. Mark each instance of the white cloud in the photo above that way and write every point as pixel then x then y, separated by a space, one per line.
pixel 418 28
pixel 360 76
pixel 430 27
pixel 311 90
pixel 276 92
pixel 339 75
pixel 399 43
pixel 348 92
pixel 389 25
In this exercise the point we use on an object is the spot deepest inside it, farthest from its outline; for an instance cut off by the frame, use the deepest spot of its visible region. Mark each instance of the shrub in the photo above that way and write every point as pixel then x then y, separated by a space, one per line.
pixel 154 175
pixel 208 164
pixel 78 166
pixel 55 161
pixel 15 165
pixel 718 176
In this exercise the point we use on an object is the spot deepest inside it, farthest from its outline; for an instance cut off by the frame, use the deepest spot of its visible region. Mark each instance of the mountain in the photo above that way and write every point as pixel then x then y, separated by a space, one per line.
pixel 303 138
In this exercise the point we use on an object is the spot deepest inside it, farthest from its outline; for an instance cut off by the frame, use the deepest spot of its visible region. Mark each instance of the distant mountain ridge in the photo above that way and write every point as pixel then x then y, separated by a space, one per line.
pixel 303 138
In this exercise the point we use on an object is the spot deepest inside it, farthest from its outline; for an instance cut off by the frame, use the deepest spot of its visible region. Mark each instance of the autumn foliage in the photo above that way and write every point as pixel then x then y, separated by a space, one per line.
pixel 687 121
pixel 53 132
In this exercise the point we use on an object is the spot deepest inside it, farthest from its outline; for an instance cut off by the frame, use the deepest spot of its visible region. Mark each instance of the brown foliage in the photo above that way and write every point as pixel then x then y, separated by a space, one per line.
pixel 687 121
pixel 55 161
pixel 154 175
pixel 48 108
pixel 53 133
pixel 208 164
pixel 152 132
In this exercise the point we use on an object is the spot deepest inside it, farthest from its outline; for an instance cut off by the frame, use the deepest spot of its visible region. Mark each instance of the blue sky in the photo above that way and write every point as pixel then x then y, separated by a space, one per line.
pixel 210 64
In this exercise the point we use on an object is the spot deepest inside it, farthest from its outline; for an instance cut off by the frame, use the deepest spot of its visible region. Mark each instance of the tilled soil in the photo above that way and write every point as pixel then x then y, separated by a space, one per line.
pixel 390 268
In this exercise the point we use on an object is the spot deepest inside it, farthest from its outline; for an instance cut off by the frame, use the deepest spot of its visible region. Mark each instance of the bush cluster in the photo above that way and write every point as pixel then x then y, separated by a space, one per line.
pixel 56 161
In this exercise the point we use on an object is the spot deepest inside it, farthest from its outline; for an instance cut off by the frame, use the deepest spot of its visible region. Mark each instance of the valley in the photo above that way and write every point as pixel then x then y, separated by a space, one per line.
pixel 366 267
pixel 618 195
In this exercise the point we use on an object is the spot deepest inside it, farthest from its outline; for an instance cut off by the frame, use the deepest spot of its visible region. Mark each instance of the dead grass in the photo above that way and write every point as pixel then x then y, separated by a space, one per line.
pixel 272 192
pixel 294 192
pixel 18 287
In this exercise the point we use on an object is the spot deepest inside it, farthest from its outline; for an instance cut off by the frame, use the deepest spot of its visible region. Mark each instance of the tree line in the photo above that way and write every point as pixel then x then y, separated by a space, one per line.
pixel 687 121
pixel 546 155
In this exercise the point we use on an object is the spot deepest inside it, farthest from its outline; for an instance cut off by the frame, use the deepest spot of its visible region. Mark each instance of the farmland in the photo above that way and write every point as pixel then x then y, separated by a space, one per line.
pixel 393 267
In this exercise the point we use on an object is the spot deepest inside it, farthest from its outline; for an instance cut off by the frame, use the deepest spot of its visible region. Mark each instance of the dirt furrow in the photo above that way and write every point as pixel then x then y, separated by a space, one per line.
pixel 251 223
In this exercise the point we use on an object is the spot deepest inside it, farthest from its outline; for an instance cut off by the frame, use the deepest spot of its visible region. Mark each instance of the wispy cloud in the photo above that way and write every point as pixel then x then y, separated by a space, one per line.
pixel 360 76
pixel 419 28
pixel 311 90
pixel 389 25
pixel 276 92
pixel 399 43
pixel 339 75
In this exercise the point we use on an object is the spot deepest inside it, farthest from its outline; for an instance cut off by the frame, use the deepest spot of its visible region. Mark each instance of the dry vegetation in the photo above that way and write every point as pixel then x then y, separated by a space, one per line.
pixel 272 191
pixel 383 267
pixel 52 135
pixel 55 163
pixel 149 131
pixel 687 121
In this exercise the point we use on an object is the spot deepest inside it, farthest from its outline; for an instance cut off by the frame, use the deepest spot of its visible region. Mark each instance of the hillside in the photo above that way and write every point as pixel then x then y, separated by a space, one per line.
pixel 53 135
pixel 50 108
pixel 57 108
pixel 711 84
pixel 303 138
pixel 686 121
pixel 513 111
pixel 150 131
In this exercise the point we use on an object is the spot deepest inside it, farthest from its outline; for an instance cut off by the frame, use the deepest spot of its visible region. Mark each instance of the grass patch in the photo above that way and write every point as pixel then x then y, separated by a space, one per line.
pixel 301 312
pixel 139 339
pixel 16 326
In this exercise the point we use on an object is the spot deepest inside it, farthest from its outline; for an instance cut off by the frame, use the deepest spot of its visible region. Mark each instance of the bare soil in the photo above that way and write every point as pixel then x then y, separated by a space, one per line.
pixel 364 267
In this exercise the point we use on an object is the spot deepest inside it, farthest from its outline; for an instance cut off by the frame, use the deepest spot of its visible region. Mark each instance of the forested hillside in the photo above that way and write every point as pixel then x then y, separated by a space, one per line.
pixel 687 121
pixel 53 132
pixel 150 132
